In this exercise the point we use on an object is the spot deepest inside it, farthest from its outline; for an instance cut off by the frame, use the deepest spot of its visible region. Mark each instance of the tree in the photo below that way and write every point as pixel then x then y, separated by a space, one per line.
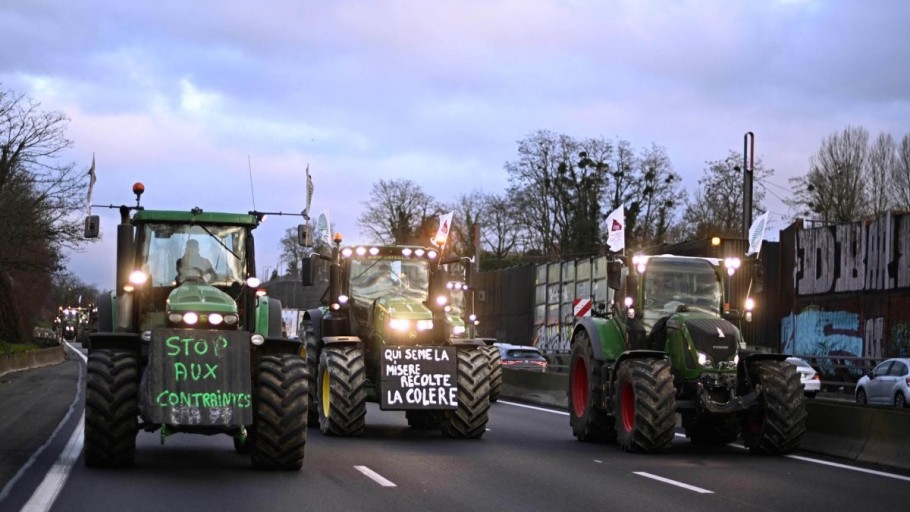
pixel 398 212
pixel 901 175
pixel 880 167
pixel 559 184
pixel 834 188
pixel 292 253
pixel 37 198
pixel 716 208
pixel 653 198
pixel 500 226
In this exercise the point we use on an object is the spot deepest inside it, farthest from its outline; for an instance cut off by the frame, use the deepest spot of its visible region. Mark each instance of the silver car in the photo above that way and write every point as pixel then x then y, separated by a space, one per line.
pixel 887 384
pixel 809 378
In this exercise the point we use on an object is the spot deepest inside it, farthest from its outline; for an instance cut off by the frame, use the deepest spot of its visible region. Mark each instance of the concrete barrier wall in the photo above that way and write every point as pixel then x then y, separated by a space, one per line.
pixel 874 435
pixel 31 359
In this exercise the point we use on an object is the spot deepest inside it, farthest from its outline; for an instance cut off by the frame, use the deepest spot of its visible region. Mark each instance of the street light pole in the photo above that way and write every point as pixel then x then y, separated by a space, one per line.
pixel 748 169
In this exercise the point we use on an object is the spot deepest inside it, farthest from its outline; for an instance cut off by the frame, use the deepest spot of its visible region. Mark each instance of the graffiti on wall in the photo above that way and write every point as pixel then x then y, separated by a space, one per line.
pixel 854 257
pixel 815 332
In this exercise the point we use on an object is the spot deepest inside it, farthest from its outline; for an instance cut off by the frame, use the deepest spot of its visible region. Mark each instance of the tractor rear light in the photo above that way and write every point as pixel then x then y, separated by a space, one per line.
pixel 257 339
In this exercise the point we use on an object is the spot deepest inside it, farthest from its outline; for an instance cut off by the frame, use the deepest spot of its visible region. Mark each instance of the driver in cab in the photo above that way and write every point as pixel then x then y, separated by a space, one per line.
pixel 192 264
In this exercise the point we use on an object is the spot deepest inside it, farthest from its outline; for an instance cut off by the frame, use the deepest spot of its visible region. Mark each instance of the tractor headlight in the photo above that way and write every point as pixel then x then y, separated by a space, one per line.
pixel 458 330
pixel 216 318
pixel 190 318
pixel 704 359
pixel 424 325
pixel 399 324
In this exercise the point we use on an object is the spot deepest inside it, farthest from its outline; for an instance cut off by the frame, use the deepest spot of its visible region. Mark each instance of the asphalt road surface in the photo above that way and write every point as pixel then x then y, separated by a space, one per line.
pixel 527 460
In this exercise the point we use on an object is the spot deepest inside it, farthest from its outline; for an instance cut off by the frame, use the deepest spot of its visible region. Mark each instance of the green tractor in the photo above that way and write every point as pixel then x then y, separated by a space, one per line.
pixel 672 347
pixel 383 336
pixel 186 343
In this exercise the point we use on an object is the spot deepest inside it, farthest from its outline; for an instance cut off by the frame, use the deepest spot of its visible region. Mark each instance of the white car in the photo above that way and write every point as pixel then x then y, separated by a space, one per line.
pixel 812 383
pixel 887 384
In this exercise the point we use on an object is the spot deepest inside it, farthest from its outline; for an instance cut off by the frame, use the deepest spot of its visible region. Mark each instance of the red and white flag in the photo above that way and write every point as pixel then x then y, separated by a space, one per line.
pixel 445 225
pixel 616 229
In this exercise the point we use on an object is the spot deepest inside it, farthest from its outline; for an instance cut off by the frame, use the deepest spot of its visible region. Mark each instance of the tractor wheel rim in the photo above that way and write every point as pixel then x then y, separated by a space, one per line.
pixel 580 388
pixel 326 393
pixel 628 407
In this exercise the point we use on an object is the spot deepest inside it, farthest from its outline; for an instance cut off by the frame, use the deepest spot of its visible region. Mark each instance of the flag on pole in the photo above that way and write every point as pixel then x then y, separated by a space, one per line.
pixel 757 233
pixel 323 229
pixel 309 192
pixel 616 229
pixel 91 184
pixel 445 224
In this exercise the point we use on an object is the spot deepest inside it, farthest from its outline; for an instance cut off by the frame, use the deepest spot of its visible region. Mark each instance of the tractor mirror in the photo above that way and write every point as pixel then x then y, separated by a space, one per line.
pixel 92 226
pixel 304 235
pixel 614 274
pixel 307 272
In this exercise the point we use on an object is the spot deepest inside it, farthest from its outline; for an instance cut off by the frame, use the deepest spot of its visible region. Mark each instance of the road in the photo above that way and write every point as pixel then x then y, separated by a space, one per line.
pixel 527 460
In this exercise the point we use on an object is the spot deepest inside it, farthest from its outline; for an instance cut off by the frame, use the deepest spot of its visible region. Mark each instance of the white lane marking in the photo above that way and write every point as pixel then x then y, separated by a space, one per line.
pixel 564 413
pixel 77 399
pixel 840 466
pixel 797 457
pixel 851 468
pixel 376 477
pixel 47 492
pixel 673 482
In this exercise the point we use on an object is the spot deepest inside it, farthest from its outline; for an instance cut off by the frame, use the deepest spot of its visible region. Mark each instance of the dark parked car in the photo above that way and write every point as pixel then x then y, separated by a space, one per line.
pixel 522 357
pixel 887 384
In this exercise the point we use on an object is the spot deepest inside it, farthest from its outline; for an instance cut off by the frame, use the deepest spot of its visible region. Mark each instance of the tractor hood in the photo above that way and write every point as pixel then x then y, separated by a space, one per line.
pixel 716 337
pixel 193 296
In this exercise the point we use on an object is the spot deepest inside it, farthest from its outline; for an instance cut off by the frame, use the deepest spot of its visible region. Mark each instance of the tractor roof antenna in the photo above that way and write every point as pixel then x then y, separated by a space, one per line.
pixel 249 164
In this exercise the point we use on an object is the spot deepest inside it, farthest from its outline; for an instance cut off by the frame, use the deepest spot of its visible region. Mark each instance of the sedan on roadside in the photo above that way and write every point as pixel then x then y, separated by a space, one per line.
pixel 522 357
pixel 809 378
pixel 887 384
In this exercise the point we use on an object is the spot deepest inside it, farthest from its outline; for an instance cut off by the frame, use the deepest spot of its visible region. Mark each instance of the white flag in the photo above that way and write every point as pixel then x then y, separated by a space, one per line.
pixel 309 192
pixel 323 229
pixel 445 224
pixel 616 229
pixel 757 233
pixel 91 184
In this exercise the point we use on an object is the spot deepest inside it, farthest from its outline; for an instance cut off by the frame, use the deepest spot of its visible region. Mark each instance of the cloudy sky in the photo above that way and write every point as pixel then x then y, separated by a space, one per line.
pixel 186 95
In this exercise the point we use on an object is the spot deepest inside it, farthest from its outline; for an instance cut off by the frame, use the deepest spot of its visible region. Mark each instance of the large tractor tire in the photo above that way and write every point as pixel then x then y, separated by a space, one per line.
pixel 589 420
pixel 341 391
pixel 776 426
pixel 312 363
pixel 111 408
pixel 494 358
pixel 469 420
pixel 278 438
pixel 645 405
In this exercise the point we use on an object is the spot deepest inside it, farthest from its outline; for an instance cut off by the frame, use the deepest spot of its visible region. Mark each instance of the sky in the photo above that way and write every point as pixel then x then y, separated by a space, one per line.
pixel 223 104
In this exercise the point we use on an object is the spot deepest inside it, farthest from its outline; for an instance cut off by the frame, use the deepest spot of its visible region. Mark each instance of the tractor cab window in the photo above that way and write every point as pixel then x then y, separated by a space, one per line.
pixel 175 253
pixel 374 278
pixel 670 283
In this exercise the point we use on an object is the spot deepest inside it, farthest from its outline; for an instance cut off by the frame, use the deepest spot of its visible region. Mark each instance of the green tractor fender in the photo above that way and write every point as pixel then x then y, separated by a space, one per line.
pixel 268 324
pixel 606 335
